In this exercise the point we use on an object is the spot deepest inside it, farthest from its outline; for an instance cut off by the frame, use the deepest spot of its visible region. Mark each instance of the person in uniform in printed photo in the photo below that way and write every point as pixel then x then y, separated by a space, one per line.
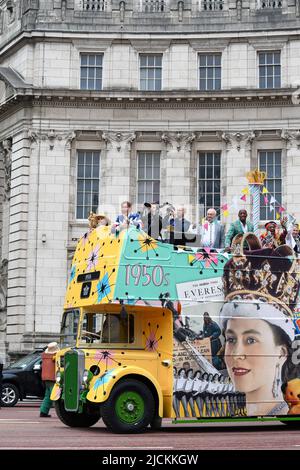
pixel 199 387
pixel 189 391
pixel 179 393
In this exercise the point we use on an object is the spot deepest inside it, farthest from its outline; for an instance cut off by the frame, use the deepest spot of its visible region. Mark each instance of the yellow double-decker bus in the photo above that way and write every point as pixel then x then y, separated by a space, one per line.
pixel 152 330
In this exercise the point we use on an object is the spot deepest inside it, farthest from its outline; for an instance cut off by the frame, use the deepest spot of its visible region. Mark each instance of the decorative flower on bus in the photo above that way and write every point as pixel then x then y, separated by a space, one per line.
pixel 72 273
pixel 146 244
pixel 57 393
pixel 205 257
pixel 103 288
pixel 93 258
pixel 103 379
pixel 152 339
pixel 85 238
pixel 105 356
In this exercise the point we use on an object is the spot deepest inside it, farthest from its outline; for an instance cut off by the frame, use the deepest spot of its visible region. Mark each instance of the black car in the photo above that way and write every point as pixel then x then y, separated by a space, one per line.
pixel 23 379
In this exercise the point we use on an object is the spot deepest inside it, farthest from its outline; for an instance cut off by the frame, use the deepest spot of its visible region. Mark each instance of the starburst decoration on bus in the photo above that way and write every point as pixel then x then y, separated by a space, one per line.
pixel 72 273
pixel 93 258
pixel 107 357
pixel 101 381
pixel 57 393
pixel 151 339
pixel 85 238
pixel 205 257
pixel 147 244
pixel 104 287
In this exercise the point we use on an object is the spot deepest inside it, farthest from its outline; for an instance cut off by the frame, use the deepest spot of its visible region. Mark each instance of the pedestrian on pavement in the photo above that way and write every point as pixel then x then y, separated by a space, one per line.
pixel 48 377
pixel 240 226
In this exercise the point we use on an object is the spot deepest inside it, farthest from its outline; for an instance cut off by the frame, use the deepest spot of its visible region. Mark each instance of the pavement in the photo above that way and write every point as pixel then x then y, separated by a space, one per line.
pixel 22 428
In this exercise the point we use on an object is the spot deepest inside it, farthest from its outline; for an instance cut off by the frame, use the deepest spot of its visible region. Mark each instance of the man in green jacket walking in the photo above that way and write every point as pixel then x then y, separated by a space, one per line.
pixel 242 225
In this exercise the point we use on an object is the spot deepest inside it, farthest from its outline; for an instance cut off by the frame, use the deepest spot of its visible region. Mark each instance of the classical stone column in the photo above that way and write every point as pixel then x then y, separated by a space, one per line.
pixel 3 307
pixel 176 169
pixel 291 184
pixel 234 168
pixel 116 184
pixel 6 158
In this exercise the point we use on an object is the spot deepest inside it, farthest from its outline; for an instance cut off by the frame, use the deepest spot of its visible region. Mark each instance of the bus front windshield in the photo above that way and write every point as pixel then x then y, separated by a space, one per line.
pixel 69 328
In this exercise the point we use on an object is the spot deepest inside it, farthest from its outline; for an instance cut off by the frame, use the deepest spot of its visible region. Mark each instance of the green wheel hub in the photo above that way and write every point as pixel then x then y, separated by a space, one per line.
pixel 130 407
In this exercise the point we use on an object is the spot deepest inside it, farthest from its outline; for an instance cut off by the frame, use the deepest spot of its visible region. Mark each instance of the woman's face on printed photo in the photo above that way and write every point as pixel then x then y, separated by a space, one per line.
pixel 182 373
pixel 251 355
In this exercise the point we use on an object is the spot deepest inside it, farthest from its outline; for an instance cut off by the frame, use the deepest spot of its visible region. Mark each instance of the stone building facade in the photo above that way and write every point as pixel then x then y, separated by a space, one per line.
pixel 107 100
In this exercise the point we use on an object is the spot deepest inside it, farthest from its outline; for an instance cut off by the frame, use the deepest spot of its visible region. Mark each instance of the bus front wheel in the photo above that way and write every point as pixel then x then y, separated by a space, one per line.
pixel 130 407
pixel 291 424
pixel 73 419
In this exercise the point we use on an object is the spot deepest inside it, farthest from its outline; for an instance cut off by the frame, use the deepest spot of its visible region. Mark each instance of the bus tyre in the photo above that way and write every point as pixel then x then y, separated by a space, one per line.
pixel 156 423
pixel 292 424
pixel 73 419
pixel 130 407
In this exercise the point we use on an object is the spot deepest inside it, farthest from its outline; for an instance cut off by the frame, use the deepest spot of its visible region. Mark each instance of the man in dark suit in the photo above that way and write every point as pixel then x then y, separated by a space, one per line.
pixel 240 226
pixel 152 221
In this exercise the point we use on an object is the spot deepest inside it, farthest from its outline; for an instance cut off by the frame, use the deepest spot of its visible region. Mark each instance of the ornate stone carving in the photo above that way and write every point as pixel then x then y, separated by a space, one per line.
pixel 63 9
pixel 239 9
pixel 238 140
pixel 292 138
pixel 122 11
pixel 6 151
pixel 178 140
pixel 118 139
pixel 11 11
pixel 52 136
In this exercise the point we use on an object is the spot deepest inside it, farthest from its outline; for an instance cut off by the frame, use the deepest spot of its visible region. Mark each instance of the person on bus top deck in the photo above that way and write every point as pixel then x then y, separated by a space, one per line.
pixel 257 321
pixel 181 228
pixel 211 231
pixel 293 239
pixel 273 237
pixel 240 226
pixel 152 221
pixel 126 218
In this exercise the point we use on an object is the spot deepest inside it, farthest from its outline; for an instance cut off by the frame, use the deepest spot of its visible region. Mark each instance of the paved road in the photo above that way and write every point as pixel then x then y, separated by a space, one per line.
pixel 22 428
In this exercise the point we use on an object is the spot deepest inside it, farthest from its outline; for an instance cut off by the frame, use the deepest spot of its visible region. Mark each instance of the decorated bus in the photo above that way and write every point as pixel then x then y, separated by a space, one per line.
pixel 152 330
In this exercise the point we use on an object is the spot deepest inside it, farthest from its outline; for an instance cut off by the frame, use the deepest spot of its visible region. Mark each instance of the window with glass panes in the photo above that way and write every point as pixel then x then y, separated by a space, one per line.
pixel 270 161
pixel 209 182
pixel 91 71
pixel 88 176
pixel 150 72
pixel 148 177
pixel 269 69
pixel 209 72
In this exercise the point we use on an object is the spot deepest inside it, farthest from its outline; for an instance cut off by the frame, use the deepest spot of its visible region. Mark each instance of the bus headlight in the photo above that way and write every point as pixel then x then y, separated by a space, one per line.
pixel 58 377
pixel 85 376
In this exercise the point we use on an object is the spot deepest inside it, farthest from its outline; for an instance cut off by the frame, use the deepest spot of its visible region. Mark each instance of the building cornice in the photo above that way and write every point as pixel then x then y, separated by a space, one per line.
pixel 183 36
pixel 165 99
